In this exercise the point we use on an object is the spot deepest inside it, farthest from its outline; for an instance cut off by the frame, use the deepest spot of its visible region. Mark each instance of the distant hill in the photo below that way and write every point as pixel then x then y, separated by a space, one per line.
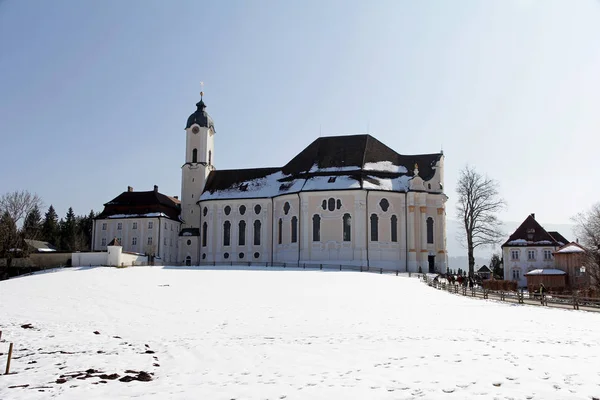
pixel 457 253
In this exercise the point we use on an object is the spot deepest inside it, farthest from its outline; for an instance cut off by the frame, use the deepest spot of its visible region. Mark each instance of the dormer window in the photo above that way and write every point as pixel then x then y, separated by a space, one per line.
pixel 332 179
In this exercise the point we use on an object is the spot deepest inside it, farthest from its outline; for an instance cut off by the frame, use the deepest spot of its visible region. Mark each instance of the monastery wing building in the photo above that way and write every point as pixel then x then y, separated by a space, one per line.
pixel 348 200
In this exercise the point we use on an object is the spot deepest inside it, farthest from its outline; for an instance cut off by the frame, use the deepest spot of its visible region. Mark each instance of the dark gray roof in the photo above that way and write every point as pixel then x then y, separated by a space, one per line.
pixel 200 117
pixel 140 203
pixel 531 233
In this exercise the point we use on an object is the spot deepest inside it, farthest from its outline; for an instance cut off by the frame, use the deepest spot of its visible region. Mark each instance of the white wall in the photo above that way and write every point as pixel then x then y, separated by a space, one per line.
pixel 524 264
pixel 167 249
pixel 411 211
pixel 89 259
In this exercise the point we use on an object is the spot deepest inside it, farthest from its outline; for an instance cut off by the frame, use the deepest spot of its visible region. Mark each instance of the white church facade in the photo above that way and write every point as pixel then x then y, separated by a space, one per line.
pixel 347 200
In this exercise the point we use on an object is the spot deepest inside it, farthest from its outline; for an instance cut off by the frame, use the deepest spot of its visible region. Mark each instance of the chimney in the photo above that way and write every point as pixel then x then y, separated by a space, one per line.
pixel 129 189
pixel 155 189
pixel 176 197
pixel 533 215
pixel 577 240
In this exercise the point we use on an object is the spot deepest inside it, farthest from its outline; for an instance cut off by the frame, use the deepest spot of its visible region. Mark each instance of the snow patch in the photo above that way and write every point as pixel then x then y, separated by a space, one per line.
pixel 385 166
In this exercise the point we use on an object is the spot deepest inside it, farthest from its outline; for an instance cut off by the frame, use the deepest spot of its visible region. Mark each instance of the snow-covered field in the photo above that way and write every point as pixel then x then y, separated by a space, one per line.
pixel 269 334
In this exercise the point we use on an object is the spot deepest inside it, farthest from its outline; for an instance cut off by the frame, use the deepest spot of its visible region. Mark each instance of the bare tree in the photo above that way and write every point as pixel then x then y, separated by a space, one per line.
pixel 14 207
pixel 18 204
pixel 587 229
pixel 478 204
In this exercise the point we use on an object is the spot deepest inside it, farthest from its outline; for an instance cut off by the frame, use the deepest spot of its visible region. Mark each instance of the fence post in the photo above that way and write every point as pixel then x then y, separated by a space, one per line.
pixel 575 304
pixel 381 270
pixel 340 267
pixel 320 266
pixel 396 272
pixel 361 268
pixel 10 350
pixel 304 265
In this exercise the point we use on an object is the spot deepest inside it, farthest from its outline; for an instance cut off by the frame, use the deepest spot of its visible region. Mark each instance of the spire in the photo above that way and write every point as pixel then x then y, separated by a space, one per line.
pixel 200 116
pixel 201 106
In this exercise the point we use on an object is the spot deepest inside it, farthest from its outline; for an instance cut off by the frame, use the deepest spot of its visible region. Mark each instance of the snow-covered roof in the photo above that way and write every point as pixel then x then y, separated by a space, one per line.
pixel 546 271
pixel 571 248
pixel 147 215
pixel 329 163
pixel 523 242
pixel 531 233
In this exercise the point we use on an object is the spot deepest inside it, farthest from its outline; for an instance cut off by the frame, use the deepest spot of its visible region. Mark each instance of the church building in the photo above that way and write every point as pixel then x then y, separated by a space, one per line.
pixel 347 200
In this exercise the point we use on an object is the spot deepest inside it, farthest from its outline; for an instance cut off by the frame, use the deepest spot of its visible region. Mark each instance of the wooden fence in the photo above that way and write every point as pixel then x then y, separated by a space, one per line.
pixel 521 297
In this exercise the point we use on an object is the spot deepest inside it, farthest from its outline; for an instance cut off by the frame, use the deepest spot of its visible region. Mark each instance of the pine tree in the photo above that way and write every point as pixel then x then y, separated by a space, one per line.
pixel 68 231
pixel 50 231
pixel 32 227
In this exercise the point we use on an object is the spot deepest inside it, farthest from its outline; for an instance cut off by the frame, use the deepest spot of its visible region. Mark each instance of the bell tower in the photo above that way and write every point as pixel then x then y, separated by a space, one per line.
pixel 199 161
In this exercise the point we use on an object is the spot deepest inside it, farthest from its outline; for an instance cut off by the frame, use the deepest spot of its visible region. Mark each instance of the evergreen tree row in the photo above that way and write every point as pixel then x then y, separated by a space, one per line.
pixel 72 233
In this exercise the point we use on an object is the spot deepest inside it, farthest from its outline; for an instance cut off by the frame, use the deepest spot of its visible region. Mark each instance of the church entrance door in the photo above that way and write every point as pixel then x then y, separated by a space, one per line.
pixel 431 260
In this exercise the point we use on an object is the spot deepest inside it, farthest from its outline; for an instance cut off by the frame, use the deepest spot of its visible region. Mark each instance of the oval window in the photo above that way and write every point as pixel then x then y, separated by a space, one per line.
pixel 331 204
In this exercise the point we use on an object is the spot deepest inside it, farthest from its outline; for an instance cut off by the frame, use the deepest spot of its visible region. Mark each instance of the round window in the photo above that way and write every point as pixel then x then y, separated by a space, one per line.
pixel 257 209
pixel 256 255
pixel 189 242
pixel 242 209
pixel 205 211
pixel 226 256
pixel 286 208
pixel 195 129
pixel 204 256
pixel 227 210
pixel 241 255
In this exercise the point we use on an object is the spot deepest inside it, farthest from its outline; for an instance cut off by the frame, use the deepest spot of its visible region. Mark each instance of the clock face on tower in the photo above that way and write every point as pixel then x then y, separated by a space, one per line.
pixel 195 129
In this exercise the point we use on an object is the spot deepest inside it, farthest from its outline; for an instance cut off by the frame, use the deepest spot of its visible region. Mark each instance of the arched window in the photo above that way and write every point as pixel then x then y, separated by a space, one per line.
pixel 430 230
pixel 209 157
pixel 226 233
pixel 195 155
pixel 394 228
pixel 374 228
pixel 280 231
pixel 242 233
pixel 316 228
pixel 257 233
pixel 347 226
pixel 294 229
pixel 188 261
pixel 204 233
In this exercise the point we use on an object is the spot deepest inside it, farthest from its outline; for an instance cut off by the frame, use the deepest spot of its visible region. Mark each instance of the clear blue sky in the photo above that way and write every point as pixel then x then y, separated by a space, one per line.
pixel 94 96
